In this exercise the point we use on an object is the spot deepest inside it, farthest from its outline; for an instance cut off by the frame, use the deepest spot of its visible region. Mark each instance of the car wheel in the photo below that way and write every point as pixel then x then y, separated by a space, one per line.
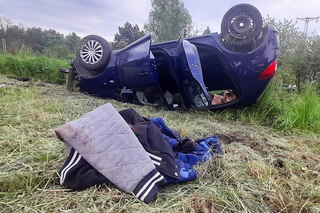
pixel 94 52
pixel 242 24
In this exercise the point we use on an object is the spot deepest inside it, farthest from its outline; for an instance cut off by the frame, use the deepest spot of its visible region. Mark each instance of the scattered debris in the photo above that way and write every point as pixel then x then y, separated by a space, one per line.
pixel 290 87
pixel 225 97
pixel 19 78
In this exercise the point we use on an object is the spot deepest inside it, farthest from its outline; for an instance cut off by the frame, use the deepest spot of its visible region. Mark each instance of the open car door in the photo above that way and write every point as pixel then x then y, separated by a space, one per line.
pixel 136 66
pixel 189 76
pixel 138 75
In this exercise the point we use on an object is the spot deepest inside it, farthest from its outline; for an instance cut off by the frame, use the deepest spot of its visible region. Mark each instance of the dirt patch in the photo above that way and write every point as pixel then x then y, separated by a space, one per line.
pixel 257 144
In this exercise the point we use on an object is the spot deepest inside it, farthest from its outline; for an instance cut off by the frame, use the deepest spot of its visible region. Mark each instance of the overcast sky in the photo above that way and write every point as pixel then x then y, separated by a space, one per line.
pixel 102 17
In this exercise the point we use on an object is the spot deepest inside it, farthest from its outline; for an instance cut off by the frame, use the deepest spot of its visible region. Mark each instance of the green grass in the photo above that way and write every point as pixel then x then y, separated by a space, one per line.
pixel 302 111
pixel 45 69
pixel 261 170
pixel 285 111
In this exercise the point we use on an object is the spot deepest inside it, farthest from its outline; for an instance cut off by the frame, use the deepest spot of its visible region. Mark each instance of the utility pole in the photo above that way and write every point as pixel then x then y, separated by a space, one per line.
pixel 306 21
pixel 4 45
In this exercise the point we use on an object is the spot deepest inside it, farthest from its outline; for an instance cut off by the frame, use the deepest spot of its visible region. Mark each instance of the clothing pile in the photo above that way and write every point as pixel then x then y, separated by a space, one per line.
pixel 135 153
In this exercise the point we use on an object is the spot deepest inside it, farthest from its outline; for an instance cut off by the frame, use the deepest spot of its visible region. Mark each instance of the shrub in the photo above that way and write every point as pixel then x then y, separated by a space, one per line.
pixel 39 68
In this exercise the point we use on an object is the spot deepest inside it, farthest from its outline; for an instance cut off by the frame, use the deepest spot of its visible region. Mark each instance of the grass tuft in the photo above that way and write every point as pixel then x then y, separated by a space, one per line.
pixel 285 111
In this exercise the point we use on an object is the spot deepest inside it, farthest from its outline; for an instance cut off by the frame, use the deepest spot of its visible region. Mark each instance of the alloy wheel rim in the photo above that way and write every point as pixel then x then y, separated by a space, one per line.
pixel 91 52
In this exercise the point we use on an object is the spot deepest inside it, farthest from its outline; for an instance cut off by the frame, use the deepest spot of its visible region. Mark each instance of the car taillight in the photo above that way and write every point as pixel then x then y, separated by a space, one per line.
pixel 270 71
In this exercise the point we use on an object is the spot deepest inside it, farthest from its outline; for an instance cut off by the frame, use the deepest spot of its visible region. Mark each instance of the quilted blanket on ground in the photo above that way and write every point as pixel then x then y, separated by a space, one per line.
pixel 106 141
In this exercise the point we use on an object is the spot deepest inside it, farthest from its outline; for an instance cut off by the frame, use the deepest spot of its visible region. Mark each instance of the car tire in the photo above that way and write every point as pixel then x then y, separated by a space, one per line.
pixel 242 24
pixel 94 53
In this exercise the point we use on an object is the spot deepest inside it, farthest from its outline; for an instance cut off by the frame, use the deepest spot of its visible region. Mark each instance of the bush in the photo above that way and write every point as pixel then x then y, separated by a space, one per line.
pixel 39 68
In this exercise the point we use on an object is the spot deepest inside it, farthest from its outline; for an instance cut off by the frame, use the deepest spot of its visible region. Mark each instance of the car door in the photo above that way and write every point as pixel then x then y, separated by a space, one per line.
pixel 136 65
pixel 189 76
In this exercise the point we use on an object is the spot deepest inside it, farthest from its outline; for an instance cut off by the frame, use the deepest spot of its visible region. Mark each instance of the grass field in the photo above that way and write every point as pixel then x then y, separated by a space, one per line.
pixel 262 169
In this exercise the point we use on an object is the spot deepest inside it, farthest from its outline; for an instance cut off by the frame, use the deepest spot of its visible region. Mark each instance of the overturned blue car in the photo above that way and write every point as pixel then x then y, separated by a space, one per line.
pixel 209 72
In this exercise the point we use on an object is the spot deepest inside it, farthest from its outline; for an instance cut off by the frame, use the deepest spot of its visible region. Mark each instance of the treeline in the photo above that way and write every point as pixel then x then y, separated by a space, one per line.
pixel 16 38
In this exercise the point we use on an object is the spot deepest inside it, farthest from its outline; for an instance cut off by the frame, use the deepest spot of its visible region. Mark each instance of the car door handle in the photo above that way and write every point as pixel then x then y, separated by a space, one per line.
pixel 144 73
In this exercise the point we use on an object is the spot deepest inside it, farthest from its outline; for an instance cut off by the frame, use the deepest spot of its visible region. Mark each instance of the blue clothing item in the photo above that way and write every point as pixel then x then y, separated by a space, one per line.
pixel 201 153
pixel 172 141
pixel 206 143
pixel 163 127
pixel 204 150
pixel 186 171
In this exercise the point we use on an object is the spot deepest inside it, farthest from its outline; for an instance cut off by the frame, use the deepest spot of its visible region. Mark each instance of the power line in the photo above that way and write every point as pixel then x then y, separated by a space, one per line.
pixel 306 23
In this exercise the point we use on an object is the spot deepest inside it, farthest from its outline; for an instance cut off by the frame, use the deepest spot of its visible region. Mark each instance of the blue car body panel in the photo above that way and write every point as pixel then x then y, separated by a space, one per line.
pixel 135 67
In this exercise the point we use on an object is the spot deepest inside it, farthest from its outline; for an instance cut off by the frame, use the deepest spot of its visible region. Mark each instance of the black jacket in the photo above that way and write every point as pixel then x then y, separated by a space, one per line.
pixel 153 142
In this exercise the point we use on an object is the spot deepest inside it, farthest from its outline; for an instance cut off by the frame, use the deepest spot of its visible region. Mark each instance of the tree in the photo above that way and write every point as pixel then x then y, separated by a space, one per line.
pixel 312 59
pixel 167 19
pixel 127 35
pixel 195 30
pixel 15 37
pixel 13 34
pixel 299 54
pixel 72 41
pixel 53 38
pixel 59 51
pixel 289 34
pixel 35 39
pixel 206 31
